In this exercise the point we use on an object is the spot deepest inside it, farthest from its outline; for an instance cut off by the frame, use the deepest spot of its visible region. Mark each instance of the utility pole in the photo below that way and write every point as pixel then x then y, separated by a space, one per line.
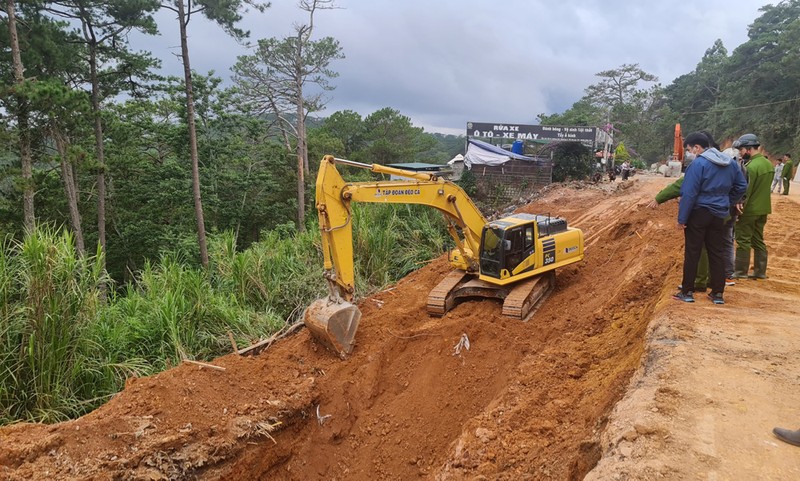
pixel 607 147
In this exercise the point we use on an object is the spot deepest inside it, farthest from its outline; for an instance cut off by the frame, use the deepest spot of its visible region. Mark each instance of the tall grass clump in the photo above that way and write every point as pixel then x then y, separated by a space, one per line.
pixel 49 296
pixel 281 272
pixel 174 312
pixel 390 241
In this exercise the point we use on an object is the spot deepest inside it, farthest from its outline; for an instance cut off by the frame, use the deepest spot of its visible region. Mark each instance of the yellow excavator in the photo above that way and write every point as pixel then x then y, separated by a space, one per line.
pixel 512 258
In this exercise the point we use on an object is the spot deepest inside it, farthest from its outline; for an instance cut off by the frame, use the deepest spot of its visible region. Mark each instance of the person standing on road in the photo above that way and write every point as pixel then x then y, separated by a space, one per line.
pixel 777 179
pixel 673 191
pixel 757 206
pixel 712 183
pixel 730 221
pixel 626 170
pixel 789 168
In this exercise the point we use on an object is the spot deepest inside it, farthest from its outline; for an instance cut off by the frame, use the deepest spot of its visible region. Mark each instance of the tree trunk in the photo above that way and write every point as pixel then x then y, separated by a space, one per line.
pixel 302 165
pixel 22 121
pixel 71 192
pixel 99 150
pixel 187 73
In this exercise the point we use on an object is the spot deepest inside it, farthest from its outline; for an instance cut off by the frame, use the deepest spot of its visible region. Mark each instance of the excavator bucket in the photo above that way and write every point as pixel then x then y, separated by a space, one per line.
pixel 333 324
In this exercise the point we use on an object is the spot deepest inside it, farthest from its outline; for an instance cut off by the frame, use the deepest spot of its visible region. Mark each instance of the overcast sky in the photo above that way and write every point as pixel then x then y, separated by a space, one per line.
pixel 446 62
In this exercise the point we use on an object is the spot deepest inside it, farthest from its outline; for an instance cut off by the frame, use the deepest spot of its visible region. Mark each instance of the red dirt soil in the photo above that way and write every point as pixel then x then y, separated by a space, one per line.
pixel 528 400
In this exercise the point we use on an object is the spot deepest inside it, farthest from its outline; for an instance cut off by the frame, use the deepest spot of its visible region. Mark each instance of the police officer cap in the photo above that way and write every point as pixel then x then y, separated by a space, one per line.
pixel 748 140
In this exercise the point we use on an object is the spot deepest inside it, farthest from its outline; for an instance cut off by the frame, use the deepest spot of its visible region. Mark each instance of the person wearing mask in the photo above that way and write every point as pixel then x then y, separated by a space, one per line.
pixel 787 172
pixel 673 191
pixel 757 206
pixel 730 224
pixel 778 178
pixel 730 221
pixel 713 182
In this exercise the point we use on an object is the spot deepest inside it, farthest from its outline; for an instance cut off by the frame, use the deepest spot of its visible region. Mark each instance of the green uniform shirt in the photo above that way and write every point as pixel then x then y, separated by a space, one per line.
pixel 672 191
pixel 760 173
pixel 786 173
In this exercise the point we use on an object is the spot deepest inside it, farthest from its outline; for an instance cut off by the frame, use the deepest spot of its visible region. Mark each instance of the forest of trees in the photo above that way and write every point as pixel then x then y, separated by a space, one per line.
pixel 109 147
pixel 756 88
pixel 112 177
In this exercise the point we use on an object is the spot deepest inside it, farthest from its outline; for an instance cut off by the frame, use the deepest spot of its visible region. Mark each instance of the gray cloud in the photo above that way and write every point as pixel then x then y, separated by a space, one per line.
pixel 446 62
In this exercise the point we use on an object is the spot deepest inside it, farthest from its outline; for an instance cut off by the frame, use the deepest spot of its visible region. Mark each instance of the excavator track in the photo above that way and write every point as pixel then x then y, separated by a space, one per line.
pixel 523 300
pixel 519 301
pixel 441 298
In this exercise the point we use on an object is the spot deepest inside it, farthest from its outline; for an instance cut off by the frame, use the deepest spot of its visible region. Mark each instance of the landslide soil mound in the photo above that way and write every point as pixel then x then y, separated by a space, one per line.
pixel 527 400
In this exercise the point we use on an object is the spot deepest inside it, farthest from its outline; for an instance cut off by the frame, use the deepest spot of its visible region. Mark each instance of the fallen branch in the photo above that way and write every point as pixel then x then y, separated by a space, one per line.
pixel 204 364
pixel 261 345
pixel 233 342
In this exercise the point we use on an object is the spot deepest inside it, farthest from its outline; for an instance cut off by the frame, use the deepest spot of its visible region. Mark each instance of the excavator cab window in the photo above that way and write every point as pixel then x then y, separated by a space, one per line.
pixel 518 242
pixel 529 238
pixel 493 248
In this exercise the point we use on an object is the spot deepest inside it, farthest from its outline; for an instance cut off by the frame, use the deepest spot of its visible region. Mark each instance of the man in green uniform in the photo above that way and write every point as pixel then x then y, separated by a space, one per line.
pixel 789 169
pixel 757 205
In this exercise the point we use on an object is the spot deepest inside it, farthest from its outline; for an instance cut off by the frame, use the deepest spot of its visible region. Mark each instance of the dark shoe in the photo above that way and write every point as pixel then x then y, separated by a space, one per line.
pixel 683 296
pixel 716 298
pixel 787 436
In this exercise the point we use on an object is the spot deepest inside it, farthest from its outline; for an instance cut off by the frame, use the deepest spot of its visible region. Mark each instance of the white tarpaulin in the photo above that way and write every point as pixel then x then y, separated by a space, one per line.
pixel 457 158
pixel 483 153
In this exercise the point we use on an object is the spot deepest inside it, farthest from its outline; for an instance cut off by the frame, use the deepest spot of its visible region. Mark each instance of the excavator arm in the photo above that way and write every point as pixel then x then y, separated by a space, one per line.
pixel 333 320
pixel 333 202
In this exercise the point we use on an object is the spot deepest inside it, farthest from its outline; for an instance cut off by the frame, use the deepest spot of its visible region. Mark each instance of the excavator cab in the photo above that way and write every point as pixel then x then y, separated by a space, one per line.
pixel 504 247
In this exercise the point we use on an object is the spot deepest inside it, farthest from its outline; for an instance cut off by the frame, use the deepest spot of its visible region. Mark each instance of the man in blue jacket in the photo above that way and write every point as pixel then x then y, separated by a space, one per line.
pixel 712 184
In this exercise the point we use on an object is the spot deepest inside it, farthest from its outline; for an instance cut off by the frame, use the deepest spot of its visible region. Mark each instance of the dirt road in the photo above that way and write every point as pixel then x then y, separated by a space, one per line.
pixel 715 381
pixel 697 388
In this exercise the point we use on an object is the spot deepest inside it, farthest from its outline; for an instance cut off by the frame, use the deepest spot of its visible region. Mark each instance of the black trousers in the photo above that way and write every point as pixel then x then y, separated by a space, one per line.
pixel 704 229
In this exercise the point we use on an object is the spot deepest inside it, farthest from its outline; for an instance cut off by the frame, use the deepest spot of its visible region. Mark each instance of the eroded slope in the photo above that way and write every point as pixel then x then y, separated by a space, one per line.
pixel 527 400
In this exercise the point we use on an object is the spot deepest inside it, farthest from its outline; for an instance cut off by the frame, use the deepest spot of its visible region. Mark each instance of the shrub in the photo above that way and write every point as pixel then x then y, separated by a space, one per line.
pixel 571 161
pixel 50 296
